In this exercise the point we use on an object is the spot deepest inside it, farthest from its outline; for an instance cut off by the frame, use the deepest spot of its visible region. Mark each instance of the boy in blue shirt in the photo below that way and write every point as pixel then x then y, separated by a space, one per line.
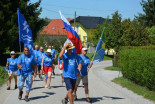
pixel 11 65
pixel 84 74
pixel 71 65
pixel 26 64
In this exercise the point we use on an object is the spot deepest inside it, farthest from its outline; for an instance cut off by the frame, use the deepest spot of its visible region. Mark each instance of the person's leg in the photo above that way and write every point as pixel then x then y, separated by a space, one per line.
pixel 21 81
pixel 9 81
pixel 70 96
pixel 76 86
pixel 32 80
pixel 53 69
pixel 15 77
pixel 49 76
pixel 45 69
pixel 28 86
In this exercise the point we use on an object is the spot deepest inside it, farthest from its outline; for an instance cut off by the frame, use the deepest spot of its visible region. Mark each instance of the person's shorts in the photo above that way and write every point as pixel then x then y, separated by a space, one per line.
pixel 84 79
pixel 47 69
pixel 13 72
pixel 61 71
pixel 70 83
pixel 39 67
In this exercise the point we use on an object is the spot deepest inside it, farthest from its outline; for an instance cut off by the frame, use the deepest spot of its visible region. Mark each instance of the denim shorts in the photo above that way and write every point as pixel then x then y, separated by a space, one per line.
pixel 70 83
pixel 21 81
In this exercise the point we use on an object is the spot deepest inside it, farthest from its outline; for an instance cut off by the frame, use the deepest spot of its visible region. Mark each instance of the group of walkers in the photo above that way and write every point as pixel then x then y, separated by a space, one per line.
pixel 73 68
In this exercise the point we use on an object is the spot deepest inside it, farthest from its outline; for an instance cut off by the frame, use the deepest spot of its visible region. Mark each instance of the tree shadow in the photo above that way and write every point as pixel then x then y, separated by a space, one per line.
pixel 38 97
pixel 113 98
pixel 49 93
pixel 94 99
pixel 36 88
pixel 57 86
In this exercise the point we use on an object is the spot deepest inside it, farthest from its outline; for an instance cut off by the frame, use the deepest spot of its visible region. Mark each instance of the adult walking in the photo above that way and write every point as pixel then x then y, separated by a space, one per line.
pixel 11 65
pixel 71 65
pixel 54 56
pixel 39 60
pixel 84 74
pixel 46 66
pixel 26 64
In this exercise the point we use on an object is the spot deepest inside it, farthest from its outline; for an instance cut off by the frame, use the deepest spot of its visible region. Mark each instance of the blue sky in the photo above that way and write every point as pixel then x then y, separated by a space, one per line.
pixel 100 8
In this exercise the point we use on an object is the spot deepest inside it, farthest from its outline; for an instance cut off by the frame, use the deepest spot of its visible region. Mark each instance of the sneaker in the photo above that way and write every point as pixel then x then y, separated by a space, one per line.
pixel 39 75
pixel 88 100
pixel 20 95
pixel 8 88
pixel 26 98
pixel 15 86
pixel 64 101
pixel 41 78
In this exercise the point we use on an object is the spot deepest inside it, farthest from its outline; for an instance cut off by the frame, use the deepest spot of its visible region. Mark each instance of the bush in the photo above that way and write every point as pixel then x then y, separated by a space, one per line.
pixel 138 65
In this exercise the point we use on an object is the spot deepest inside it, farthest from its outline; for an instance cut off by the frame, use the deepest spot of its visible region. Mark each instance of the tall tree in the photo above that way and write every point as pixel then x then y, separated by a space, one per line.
pixel 9 21
pixel 149 13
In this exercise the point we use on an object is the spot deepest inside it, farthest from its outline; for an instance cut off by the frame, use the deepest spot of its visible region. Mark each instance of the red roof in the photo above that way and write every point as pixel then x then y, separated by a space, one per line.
pixel 55 27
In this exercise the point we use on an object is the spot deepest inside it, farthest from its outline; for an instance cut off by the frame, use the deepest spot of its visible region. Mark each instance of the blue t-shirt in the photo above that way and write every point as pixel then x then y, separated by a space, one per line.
pixel 12 64
pixel 70 65
pixel 85 62
pixel 53 53
pixel 39 57
pixel 60 60
pixel 48 60
pixel 35 53
pixel 26 62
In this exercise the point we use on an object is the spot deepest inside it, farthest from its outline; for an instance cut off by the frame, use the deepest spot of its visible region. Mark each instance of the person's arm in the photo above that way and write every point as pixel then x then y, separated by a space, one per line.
pixel 55 57
pixel 7 64
pixel 91 64
pixel 59 64
pixel 42 63
pixel 63 50
pixel 19 61
pixel 80 67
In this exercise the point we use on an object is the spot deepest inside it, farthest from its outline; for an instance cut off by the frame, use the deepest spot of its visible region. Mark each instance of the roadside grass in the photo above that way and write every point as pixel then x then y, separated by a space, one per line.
pixel 106 57
pixel 143 91
pixel 3 76
pixel 111 68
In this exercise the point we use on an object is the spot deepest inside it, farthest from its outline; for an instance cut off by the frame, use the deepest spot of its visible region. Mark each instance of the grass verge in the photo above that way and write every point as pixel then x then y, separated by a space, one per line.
pixel 112 68
pixel 106 57
pixel 3 76
pixel 146 93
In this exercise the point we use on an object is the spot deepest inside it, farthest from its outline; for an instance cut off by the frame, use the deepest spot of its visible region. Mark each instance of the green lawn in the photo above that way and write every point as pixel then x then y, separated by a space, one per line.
pixel 3 76
pixel 143 91
pixel 112 68
pixel 90 55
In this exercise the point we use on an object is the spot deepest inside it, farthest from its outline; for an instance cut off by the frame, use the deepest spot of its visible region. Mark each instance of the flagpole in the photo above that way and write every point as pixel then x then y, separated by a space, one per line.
pixel 93 58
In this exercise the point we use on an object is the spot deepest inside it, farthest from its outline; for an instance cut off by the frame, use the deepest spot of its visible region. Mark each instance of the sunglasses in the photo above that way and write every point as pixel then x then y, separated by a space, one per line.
pixel 12 54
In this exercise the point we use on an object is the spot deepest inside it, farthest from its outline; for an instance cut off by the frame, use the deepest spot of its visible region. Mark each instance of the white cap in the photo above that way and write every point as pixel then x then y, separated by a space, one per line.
pixel 12 52
pixel 48 50
pixel 84 49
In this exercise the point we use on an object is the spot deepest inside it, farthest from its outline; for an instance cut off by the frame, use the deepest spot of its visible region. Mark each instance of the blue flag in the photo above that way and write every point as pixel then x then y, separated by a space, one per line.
pixel 25 33
pixel 99 50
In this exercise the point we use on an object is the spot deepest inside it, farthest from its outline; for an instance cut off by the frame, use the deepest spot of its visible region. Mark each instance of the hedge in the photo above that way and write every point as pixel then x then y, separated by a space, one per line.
pixel 138 65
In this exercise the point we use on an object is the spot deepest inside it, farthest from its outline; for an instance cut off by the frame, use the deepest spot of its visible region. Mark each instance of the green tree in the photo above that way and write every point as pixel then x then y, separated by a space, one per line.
pixel 151 32
pixel 9 21
pixel 149 13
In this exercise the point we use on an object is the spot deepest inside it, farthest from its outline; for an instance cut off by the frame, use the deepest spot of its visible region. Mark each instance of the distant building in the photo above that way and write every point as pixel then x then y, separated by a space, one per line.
pixel 86 26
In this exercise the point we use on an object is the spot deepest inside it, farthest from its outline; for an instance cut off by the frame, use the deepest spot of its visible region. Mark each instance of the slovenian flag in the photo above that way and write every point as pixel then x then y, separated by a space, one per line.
pixel 71 34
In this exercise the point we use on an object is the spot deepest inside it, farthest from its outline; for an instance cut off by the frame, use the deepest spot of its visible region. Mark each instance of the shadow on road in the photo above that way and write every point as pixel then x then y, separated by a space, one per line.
pixel 37 88
pixel 113 98
pixel 49 93
pixel 38 97
pixel 94 99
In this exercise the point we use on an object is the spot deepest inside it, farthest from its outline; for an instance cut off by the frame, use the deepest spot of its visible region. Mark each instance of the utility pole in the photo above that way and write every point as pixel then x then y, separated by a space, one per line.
pixel 74 20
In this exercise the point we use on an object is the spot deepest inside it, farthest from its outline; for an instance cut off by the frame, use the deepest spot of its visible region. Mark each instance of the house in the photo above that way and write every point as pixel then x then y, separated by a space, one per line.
pixel 86 26
pixel 55 29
